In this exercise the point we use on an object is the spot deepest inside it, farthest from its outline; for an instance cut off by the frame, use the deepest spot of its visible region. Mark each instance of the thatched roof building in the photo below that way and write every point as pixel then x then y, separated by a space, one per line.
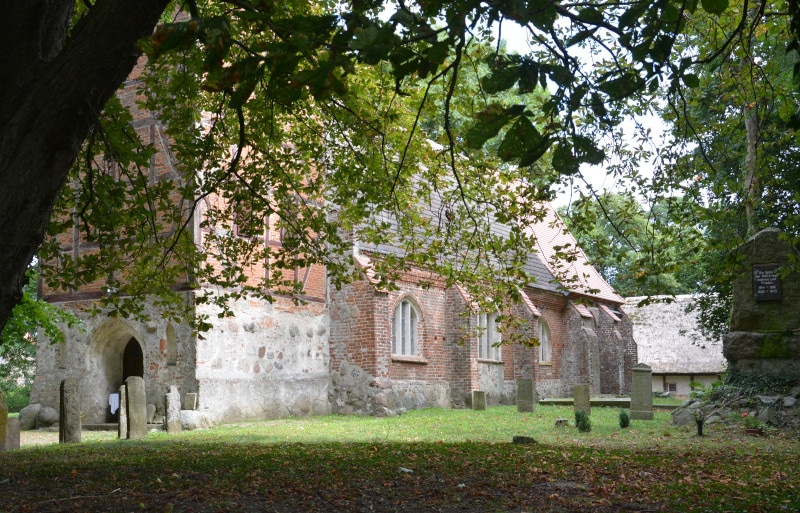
pixel 670 343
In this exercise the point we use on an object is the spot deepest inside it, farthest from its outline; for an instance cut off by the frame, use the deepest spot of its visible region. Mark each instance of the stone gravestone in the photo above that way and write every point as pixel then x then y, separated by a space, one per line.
pixel 69 416
pixel 3 421
pixel 172 403
pixel 122 429
pixel 526 395
pixel 12 434
pixel 478 400
pixel 764 337
pixel 136 401
pixel 580 399
pixel 642 392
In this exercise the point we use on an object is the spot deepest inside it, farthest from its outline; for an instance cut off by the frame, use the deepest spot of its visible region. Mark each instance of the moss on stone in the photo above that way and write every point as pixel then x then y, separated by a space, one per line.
pixel 774 345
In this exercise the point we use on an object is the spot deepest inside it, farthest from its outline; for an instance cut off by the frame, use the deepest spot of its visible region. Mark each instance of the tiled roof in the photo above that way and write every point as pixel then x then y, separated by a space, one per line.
pixel 609 312
pixel 528 303
pixel 560 254
pixel 582 310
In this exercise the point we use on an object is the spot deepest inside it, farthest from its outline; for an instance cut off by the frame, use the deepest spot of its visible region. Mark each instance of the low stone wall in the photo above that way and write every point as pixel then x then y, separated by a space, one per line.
pixel 354 390
pixel 234 399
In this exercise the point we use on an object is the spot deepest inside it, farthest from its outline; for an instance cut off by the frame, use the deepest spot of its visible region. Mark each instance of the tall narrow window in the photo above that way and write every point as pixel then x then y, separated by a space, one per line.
pixel 545 345
pixel 404 329
pixel 488 336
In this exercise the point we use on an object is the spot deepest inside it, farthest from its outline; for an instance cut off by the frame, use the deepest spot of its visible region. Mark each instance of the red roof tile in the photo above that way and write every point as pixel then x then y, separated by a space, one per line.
pixel 559 252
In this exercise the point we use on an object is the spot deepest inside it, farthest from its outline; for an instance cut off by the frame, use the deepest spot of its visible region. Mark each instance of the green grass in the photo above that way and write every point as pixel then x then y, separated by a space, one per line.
pixel 427 460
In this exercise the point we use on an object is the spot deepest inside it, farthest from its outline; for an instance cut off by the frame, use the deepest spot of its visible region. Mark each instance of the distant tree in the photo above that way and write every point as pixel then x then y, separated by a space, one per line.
pixel 638 252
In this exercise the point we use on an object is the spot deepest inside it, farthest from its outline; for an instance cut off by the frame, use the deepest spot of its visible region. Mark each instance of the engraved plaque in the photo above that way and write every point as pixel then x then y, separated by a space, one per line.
pixel 767 283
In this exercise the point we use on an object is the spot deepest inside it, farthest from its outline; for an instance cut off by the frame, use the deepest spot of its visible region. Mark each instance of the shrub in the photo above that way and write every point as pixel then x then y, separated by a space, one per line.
pixel 624 419
pixel 17 396
pixel 582 421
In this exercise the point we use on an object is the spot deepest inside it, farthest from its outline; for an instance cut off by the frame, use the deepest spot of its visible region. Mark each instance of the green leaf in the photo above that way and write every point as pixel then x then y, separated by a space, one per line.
pixel 489 122
pixel 591 15
pixel 561 75
pixel 623 86
pixel 500 80
pixel 171 36
pixel 587 151
pixel 523 143
pixel 528 76
pixel 691 80
pixel 564 161
pixel 714 6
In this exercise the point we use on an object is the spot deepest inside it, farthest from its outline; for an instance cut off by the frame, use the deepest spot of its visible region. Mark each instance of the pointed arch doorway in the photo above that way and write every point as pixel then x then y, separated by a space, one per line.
pixel 132 360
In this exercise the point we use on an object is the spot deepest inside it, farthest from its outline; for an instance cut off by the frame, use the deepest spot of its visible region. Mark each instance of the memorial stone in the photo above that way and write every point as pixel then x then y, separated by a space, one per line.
pixel 764 337
pixel 69 416
pixel 580 399
pixel 136 401
pixel 172 400
pixel 3 420
pixel 526 395
pixel 478 400
pixel 122 429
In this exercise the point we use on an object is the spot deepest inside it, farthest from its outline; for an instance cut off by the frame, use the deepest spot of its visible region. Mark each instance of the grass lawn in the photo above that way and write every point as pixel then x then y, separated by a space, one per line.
pixel 428 460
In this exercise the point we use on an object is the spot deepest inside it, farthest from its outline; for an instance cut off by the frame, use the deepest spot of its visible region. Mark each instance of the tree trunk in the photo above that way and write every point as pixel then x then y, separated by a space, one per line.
pixel 54 86
pixel 752 184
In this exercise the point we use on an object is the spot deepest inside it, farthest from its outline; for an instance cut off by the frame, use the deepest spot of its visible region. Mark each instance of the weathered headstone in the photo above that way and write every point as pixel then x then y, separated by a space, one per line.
pixel 69 416
pixel 122 429
pixel 764 336
pixel 478 400
pixel 12 434
pixel 136 401
pixel 151 412
pixel 190 401
pixel 560 423
pixel 642 392
pixel 526 395
pixel 580 399
pixel 3 420
pixel 172 403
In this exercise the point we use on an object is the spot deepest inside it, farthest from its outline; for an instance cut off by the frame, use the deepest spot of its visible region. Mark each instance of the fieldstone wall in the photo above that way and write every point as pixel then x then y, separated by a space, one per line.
pixel 764 333
pixel 269 361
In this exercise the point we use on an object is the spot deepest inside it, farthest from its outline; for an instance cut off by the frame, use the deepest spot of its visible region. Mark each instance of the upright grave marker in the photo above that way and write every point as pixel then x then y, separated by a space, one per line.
pixel 3 421
pixel 580 399
pixel 12 434
pixel 172 403
pixel 526 395
pixel 137 407
pixel 69 416
pixel 122 429
pixel 642 392
pixel 478 400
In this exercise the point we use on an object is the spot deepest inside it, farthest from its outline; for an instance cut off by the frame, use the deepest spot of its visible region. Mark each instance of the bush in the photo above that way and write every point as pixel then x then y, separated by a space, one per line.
pixel 582 421
pixel 17 396
pixel 624 419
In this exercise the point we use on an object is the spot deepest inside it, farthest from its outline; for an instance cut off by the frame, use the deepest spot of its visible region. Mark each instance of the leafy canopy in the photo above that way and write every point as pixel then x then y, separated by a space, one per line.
pixel 393 126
